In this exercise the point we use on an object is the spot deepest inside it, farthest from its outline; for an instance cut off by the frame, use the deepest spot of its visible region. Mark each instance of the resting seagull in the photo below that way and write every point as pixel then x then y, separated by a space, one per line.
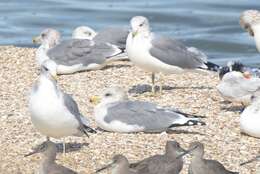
pixel 115 36
pixel 158 54
pixel 73 55
pixel 250 21
pixel 53 112
pixel 239 87
pixel 116 113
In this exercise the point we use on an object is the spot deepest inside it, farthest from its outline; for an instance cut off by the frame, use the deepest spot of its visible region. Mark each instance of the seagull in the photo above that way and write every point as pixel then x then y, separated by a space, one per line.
pixel 238 66
pixel 115 113
pixel 115 36
pixel 250 120
pixel 48 164
pixel 250 21
pixel 53 112
pixel 163 164
pixel 239 87
pixel 199 165
pixel 157 54
pixel 73 55
pixel 120 165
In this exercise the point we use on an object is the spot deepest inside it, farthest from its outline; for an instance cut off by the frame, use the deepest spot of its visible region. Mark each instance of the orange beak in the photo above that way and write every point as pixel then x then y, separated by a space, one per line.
pixel 247 75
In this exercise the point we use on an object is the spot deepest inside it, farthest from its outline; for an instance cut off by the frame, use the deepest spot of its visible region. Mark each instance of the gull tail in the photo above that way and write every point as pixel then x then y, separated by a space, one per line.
pixel 212 66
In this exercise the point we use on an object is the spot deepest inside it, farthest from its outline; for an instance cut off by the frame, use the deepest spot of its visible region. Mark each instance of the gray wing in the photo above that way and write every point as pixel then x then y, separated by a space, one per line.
pixel 173 52
pixel 143 114
pixel 216 167
pixel 80 51
pixel 250 85
pixel 59 169
pixel 113 35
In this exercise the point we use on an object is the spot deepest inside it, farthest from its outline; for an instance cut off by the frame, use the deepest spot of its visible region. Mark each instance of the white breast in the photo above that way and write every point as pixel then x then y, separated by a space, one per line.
pixel 48 113
pixel 114 126
pixel 138 52
pixel 41 54
pixel 250 121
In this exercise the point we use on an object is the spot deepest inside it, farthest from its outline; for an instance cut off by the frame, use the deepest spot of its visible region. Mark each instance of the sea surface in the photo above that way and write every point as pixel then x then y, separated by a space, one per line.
pixel 210 25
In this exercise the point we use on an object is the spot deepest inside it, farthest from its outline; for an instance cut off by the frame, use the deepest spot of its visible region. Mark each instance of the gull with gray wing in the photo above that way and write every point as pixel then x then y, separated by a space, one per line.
pixel 53 112
pixel 116 113
pixel 159 54
pixel 73 55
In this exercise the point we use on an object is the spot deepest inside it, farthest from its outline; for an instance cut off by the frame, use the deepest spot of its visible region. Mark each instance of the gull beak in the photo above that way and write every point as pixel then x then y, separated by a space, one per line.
pixel 105 167
pixel 186 152
pixel 95 100
pixel 134 33
pixel 36 40
pixel 247 75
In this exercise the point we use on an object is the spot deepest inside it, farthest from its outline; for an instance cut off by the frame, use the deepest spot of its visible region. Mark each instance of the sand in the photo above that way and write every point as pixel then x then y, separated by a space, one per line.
pixel 191 93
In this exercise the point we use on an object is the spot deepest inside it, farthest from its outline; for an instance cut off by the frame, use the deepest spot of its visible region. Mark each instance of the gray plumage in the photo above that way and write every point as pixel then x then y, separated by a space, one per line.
pixel 173 52
pixel 146 115
pixel 199 165
pixel 78 51
pixel 48 164
pixel 163 164
pixel 113 35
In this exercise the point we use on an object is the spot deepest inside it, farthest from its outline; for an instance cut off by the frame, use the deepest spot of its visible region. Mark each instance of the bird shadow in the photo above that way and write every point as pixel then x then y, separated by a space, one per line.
pixel 70 147
pixel 116 66
pixel 238 109
pixel 184 132
pixel 143 88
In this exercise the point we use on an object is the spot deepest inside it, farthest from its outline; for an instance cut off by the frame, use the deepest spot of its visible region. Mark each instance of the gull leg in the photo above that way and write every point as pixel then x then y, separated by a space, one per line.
pixel 153 83
pixel 47 138
pixel 64 147
pixel 161 83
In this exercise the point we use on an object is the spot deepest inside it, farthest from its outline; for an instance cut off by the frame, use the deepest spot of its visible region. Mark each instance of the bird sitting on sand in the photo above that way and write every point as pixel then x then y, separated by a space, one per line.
pixel 158 54
pixel 48 164
pixel 239 87
pixel 116 113
pixel 168 163
pixel 53 112
pixel 199 165
pixel 73 55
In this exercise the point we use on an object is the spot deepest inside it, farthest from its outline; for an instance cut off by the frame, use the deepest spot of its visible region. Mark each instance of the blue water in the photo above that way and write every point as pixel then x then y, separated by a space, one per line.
pixel 211 26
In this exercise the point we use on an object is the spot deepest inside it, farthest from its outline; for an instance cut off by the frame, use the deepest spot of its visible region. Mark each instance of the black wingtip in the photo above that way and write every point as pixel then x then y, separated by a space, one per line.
pixel 213 67
pixel 88 129
pixel 188 123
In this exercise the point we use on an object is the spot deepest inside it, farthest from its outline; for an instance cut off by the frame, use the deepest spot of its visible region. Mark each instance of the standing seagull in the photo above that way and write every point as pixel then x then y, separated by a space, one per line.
pixel 73 55
pixel 167 163
pixel 116 113
pixel 161 54
pixel 53 112
pixel 199 165
pixel 48 164
pixel 250 21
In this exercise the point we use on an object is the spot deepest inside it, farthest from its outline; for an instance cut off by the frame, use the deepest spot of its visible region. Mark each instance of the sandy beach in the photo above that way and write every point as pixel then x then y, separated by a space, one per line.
pixel 190 93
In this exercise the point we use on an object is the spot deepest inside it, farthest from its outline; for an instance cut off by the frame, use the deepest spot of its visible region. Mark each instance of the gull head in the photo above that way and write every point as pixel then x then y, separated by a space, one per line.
pixel 110 95
pixel 48 149
pixel 49 69
pixel 83 32
pixel 49 36
pixel 139 24
pixel 235 77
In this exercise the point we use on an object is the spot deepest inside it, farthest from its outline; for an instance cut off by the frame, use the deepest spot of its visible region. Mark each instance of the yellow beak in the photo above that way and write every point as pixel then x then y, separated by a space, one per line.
pixel 134 33
pixel 36 40
pixel 54 76
pixel 95 100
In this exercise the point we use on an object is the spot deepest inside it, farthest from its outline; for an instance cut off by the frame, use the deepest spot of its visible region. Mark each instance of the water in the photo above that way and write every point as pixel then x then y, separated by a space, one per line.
pixel 211 26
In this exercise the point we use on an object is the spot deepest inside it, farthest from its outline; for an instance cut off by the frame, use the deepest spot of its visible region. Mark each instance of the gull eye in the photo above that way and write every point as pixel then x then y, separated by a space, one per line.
pixel 45 68
pixel 108 94
pixel 43 35
pixel 140 25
